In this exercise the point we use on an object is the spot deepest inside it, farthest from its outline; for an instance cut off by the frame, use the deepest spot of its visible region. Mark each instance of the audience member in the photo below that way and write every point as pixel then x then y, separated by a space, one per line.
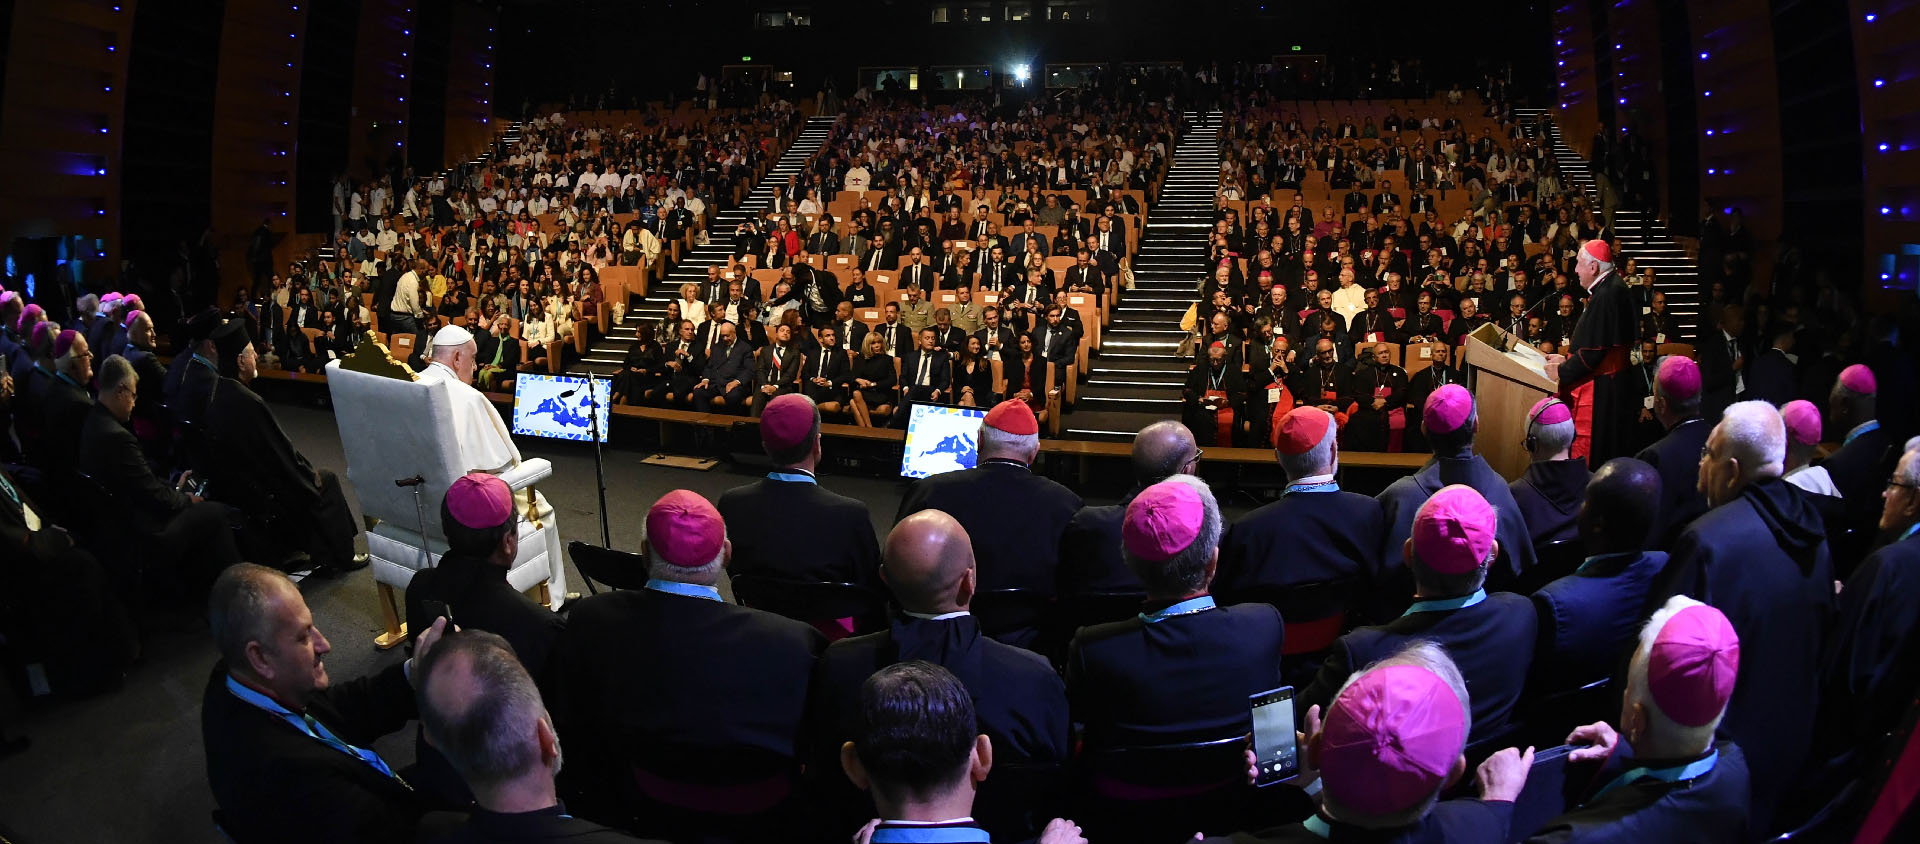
pixel 86 639
pixel 288 752
pixel 481 709
pixel 1588 618
pixel 916 748
pixel 1316 532
pixel 1014 517
pixel 1676 404
pixel 1021 704
pixel 1760 556
pixel 1393 740
pixel 636 667
pixel 1090 556
pixel 1870 674
pixel 1867 451
pixel 1450 550
pixel 1184 668
pixel 787 526
pixel 1548 493
pixel 1450 421
pixel 1663 775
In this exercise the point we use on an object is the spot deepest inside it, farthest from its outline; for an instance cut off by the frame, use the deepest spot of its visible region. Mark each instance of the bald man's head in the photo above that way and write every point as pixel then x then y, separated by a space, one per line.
pixel 928 563
pixel 1620 508
pixel 1162 450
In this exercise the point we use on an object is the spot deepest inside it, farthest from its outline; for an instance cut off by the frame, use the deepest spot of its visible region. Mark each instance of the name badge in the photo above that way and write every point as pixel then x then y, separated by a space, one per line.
pixel 1273 395
pixel 1644 309
pixel 1647 402
pixel 1660 338
pixel 1426 353
pixel 1373 337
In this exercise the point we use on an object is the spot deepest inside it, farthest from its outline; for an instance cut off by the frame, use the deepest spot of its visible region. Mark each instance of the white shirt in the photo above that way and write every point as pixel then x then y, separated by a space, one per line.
pixel 1814 479
pixel 1349 300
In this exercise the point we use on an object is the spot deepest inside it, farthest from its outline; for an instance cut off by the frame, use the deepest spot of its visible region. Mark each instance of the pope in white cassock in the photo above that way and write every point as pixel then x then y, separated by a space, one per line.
pixel 486 443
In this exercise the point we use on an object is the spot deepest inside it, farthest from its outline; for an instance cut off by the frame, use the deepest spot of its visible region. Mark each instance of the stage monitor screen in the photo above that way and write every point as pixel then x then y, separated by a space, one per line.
pixel 555 406
pixel 941 439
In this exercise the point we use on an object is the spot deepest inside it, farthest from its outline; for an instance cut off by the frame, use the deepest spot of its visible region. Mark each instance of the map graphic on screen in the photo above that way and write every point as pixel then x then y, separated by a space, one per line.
pixel 540 410
pixel 941 439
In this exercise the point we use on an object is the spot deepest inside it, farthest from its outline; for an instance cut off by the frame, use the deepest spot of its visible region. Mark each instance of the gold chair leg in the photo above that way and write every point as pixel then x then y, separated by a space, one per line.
pixel 390 614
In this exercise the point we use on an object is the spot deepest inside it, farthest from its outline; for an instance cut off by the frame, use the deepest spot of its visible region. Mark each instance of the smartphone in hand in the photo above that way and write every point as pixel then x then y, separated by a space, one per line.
pixel 1275 751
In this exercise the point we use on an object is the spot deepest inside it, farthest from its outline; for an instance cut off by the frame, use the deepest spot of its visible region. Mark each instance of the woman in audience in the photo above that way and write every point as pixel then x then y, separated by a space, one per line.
pixel 643 374
pixel 536 333
pixel 1027 378
pixel 960 272
pixel 859 292
pixel 691 307
pixel 973 376
pixel 669 325
pixel 874 377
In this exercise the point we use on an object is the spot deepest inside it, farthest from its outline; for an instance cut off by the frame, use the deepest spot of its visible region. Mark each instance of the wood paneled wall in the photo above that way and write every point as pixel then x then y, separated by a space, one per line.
pixel 383 55
pixel 1887 58
pixel 1738 101
pixel 255 128
pixel 470 125
pixel 1577 113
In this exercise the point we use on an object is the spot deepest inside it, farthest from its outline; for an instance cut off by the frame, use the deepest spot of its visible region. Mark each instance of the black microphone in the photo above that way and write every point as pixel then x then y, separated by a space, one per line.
pixel 416 480
pixel 569 394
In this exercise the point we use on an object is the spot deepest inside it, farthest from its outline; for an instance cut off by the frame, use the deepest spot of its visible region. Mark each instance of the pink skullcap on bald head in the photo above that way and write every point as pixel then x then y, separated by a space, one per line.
pixel 1859 379
pixel 1803 422
pixel 478 500
pixel 30 313
pixel 685 530
pixel 1162 521
pixel 1453 531
pixel 1447 409
pixel 1692 665
pixel 1550 411
pixel 63 342
pixel 1390 739
pixel 1678 377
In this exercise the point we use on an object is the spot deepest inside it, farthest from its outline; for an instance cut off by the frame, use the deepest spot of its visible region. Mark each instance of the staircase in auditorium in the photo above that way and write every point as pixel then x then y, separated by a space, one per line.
pixel 605 355
pixel 1136 378
pixel 1640 233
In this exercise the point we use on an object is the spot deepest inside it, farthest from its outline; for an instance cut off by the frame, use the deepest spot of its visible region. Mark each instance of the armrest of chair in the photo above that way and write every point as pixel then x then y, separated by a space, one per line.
pixel 528 473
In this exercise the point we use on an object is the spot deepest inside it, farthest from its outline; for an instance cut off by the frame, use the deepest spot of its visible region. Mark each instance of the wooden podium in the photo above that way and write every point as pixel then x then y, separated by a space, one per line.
pixel 1505 386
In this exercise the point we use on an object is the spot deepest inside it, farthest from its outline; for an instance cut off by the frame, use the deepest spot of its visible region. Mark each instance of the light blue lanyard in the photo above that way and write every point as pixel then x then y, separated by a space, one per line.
pixel 1911 529
pixel 1677 773
pixel 1588 563
pixel 1868 426
pixel 1186 607
pixel 1441 604
pixel 313 729
pixel 63 376
pixel 930 835
pixel 204 362
pixel 793 477
pixel 1329 486
pixel 1318 826
pixel 691 590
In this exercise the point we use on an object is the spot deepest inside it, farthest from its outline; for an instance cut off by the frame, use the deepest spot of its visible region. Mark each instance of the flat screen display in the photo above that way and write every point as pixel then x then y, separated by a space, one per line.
pixel 941 439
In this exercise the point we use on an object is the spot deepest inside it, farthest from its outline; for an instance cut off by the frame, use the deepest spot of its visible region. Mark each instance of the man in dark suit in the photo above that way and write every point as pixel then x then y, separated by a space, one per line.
pixel 191 376
pixel 1027 236
pixel 254 467
pixel 1773 378
pixel 1449 420
pixel 640 664
pixel 949 337
pixel 1355 201
pixel 1549 491
pixel 178 532
pixel 726 373
pixel 996 274
pixel 1490 636
pixel 899 339
pixel 88 640
pixel 1867 451
pixel 1315 532
pixel 879 255
pixel 849 332
pixel 1590 617
pixel 1085 277
pixel 1760 556
pixel 1676 456
pixel 288 752
pixel 1019 700
pixel 1057 341
pixel 996 339
pixel 481 708
pixel 926 374
pixel 63 406
pixel 1184 668
pixel 1388 745
pixel 1870 665
pixel 1112 236
pixel 823 241
pixel 1014 516
pixel 1090 560
pixel 1662 776
pixel 788 509
pixel 1723 361
pixel 918 274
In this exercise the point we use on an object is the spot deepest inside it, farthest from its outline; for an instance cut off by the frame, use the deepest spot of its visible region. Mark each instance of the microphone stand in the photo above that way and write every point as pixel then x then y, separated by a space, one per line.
pixel 599 466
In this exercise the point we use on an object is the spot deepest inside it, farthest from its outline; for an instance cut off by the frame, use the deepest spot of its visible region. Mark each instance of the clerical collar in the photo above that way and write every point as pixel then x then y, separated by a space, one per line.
pixel 1186 607
pixel 1866 427
pixel 1446 604
pixel 1313 480
pixel 689 590
pixel 1588 562
pixel 931 617
pixel 1004 461
pixel 793 475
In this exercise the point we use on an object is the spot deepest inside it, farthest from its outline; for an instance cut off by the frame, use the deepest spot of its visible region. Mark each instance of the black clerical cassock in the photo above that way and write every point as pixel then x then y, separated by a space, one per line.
pixel 1597 355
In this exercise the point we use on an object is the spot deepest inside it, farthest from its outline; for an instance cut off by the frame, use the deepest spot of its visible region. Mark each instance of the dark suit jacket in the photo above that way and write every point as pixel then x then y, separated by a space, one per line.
pixel 113 457
pixel 1590 620
pixel 1090 552
pixel 764 372
pixel 939 370
pixel 640 668
pixel 484 827
pixel 1762 559
pixel 734 363
pixel 1402 499
pixel 1716 372
pixel 1549 495
pixel 1491 642
pixel 1014 517
pixel 902 338
pixel 275 783
pixel 1869 668
pixel 1184 678
pixel 1304 537
pixel 1711 808
pixel 1860 470
pixel 1677 456
pixel 851 336
pixel 1448 822
pixel 63 413
pixel 769 519
pixel 1771 378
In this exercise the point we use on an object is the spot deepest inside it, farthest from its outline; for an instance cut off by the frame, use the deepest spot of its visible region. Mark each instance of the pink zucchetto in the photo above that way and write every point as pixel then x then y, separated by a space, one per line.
pixel 1453 531
pixel 1803 422
pixel 1447 409
pixel 1692 665
pixel 1390 739
pixel 1859 379
pixel 685 530
pixel 1162 521
pixel 479 501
